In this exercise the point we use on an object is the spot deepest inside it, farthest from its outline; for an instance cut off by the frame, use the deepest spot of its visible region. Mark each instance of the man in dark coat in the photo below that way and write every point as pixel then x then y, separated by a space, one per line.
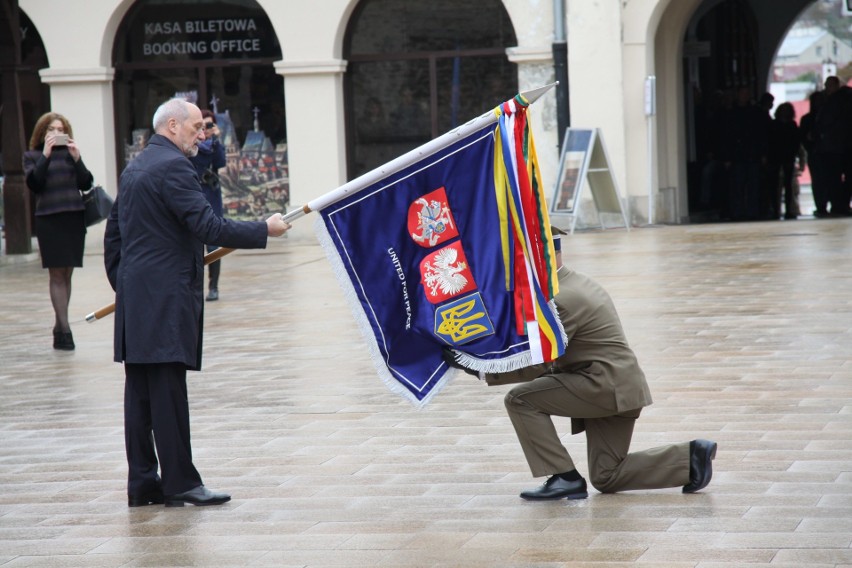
pixel 153 253
pixel 831 133
pixel 598 383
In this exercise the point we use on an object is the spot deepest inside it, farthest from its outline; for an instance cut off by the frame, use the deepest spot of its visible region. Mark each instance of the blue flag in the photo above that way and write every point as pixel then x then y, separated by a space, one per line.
pixel 421 256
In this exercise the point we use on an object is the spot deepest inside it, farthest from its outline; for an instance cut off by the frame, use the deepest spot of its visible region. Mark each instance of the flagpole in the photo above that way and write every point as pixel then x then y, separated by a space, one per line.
pixel 209 258
pixel 371 177
pixel 405 160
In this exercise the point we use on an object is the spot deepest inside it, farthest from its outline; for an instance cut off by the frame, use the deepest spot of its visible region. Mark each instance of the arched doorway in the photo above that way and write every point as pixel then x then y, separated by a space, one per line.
pixel 418 69
pixel 728 49
pixel 220 56
pixel 721 64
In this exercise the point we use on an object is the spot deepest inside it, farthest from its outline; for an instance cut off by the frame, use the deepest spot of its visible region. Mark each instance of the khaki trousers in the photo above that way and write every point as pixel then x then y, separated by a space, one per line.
pixel 608 433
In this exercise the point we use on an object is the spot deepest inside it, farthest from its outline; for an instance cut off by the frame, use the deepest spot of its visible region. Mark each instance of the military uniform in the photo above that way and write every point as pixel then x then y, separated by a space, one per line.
pixel 598 384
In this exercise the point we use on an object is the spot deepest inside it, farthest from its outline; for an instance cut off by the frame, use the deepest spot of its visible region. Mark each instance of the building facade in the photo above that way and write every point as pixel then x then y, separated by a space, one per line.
pixel 308 76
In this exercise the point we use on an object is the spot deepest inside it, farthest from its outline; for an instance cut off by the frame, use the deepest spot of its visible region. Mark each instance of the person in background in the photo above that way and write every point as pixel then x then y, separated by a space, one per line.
pixel 785 144
pixel 208 161
pixel 768 179
pixel 55 172
pixel 831 135
pixel 744 140
pixel 153 256
pixel 598 383
pixel 809 138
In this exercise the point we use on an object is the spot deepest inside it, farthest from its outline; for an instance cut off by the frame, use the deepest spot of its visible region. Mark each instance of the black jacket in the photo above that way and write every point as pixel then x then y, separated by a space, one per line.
pixel 153 253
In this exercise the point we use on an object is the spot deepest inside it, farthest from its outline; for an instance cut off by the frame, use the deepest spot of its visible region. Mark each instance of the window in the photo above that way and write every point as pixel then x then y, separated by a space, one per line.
pixel 418 69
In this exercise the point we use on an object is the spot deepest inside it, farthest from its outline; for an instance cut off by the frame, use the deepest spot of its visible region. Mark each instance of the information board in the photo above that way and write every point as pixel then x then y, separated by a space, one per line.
pixel 584 161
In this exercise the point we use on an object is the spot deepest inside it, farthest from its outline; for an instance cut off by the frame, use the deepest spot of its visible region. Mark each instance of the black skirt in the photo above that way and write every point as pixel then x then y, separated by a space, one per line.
pixel 61 239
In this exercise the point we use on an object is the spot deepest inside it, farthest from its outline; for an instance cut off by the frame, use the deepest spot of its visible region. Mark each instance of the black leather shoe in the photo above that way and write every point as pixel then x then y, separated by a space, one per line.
pixel 199 496
pixel 153 498
pixel 701 454
pixel 557 488
pixel 212 295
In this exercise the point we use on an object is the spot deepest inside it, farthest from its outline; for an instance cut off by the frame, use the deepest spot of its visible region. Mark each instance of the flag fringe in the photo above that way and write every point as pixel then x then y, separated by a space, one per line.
pixel 558 320
pixel 511 363
pixel 363 323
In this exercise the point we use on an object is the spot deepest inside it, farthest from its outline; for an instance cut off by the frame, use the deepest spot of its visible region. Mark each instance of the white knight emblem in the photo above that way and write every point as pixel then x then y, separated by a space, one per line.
pixel 432 220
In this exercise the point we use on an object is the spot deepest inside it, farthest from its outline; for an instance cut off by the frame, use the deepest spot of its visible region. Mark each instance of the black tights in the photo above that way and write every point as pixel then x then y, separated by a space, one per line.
pixel 60 296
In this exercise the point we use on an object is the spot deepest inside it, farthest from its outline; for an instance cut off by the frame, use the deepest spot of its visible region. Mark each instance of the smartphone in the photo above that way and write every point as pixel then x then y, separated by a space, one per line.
pixel 60 140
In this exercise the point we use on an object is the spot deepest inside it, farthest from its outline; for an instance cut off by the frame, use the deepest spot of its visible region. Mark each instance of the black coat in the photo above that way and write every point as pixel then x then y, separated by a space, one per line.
pixel 153 253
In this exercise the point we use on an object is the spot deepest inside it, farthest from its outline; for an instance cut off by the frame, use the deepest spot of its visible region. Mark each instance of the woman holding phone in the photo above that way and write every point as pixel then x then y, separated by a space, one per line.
pixel 56 174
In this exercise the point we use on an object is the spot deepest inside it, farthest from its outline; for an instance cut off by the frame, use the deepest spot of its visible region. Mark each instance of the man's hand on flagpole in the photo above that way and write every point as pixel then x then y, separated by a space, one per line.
pixel 450 358
pixel 276 225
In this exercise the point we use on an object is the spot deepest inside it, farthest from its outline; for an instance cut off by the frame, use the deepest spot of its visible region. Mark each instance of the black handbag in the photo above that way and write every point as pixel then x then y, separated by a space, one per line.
pixel 98 205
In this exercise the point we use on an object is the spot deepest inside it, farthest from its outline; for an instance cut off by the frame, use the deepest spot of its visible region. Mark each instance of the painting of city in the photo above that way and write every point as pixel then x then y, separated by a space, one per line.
pixel 255 180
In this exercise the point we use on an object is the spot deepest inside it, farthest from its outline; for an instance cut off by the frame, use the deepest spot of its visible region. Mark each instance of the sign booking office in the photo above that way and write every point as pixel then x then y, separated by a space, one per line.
pixel 195 42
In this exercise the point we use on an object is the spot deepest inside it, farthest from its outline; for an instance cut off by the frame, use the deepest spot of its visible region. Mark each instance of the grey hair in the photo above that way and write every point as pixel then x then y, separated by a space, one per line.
pixel 172 108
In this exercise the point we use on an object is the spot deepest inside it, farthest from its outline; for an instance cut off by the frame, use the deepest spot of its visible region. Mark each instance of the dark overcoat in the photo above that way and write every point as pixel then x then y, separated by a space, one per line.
pixel 153 253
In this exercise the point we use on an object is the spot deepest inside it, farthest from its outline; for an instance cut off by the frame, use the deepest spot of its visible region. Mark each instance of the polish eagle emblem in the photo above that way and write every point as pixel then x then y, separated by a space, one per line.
pixel 446 273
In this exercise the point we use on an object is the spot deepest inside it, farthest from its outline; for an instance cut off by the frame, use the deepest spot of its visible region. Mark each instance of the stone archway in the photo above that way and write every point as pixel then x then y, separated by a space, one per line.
pixel 219 55
pixel 728 48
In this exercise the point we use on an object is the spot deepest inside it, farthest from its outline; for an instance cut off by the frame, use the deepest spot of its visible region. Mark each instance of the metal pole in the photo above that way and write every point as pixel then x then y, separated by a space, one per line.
pixel 560 69
pixel 411 157
pixel 650 111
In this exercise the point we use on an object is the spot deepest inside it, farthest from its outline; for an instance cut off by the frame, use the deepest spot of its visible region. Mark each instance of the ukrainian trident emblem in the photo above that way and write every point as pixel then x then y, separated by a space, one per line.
pixel 463 320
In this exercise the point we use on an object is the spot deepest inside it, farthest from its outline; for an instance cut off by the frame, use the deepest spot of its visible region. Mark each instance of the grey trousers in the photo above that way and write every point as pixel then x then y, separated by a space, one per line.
pixel 608 433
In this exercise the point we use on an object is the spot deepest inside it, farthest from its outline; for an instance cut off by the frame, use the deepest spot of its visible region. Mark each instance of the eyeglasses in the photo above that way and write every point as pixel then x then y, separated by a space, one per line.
pixel 209 125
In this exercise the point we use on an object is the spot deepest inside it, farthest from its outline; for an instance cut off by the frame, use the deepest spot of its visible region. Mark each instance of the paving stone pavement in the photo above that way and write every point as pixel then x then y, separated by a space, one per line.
pixel 744 332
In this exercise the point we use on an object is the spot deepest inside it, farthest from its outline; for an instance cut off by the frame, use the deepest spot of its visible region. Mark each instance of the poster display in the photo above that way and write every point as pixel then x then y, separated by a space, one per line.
pixel 584 161
pixel 255 180
pixel 572 169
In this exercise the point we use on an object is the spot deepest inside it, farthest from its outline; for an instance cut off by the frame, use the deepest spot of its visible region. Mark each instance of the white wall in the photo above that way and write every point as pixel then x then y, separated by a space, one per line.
pixel 311 38
pixel 641 179
pixel 534 28
pixel 596 76
pixel 826 51
pixel 79 77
